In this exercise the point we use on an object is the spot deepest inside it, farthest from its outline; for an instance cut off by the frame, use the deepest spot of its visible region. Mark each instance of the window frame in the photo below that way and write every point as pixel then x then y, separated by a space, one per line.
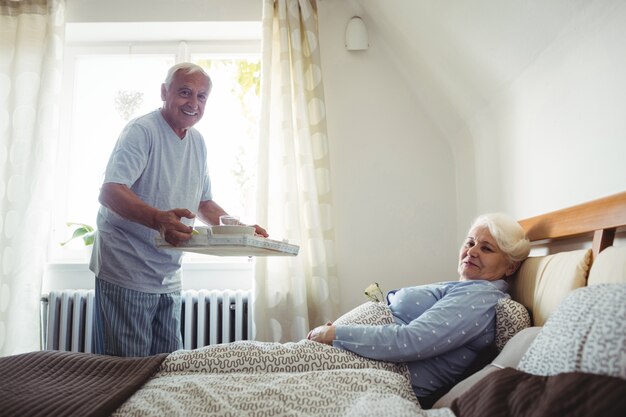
pixel 194 270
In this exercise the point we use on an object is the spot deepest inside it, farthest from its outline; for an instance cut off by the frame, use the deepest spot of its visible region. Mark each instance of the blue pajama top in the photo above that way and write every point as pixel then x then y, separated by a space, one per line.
pixel 164 171
pixel 439 330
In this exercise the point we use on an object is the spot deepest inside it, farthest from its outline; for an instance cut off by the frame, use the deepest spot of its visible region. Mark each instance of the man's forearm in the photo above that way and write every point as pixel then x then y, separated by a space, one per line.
pixel 209 212
pixel 124 202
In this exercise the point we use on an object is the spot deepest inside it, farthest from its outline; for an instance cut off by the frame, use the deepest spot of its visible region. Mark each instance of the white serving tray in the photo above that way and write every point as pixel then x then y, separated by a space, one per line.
pixel 207 243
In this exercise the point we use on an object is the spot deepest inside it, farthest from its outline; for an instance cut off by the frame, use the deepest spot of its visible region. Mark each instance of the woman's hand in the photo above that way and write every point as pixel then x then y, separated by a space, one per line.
pixel 323 334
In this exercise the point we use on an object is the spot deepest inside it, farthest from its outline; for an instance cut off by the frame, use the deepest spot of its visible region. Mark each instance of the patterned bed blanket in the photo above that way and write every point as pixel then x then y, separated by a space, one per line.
pixel 258 379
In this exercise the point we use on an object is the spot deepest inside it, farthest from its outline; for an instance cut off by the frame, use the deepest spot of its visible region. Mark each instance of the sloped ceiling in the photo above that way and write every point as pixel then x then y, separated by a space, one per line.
pixel 457 55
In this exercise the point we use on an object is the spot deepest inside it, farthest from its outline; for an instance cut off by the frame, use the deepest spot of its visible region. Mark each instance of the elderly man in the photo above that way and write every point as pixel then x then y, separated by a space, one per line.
pixel 156 177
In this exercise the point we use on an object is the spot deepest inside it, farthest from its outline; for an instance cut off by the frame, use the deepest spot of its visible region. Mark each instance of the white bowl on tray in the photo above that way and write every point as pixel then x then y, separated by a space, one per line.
pixel 232 230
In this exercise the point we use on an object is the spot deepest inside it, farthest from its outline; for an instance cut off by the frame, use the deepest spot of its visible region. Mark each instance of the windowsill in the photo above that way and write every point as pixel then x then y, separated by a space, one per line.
pixel 225 273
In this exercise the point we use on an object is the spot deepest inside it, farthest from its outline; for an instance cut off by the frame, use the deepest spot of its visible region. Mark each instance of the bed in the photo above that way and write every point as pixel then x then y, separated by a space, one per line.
pixel 561 350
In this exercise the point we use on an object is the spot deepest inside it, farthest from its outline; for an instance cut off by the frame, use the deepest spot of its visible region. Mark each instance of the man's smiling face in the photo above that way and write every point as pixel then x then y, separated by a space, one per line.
pixel 184 100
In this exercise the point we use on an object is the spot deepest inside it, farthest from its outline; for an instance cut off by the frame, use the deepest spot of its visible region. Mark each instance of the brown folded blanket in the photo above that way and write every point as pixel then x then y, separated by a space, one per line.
pixel 514 393
pixel 55 383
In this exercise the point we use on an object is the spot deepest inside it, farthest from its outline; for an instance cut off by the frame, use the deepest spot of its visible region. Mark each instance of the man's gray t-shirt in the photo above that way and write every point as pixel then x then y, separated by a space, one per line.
pixel 165 172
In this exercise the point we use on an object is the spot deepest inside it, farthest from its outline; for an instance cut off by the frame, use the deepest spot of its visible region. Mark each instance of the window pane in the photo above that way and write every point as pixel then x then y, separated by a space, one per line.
pixel 230 129
pixel 109 90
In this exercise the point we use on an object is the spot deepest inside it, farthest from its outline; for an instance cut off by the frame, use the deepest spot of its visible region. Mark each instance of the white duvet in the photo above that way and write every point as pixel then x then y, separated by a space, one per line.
pixel 273 379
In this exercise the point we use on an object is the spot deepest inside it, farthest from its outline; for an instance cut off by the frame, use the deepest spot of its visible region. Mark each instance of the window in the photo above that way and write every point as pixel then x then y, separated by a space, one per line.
pixel 108 83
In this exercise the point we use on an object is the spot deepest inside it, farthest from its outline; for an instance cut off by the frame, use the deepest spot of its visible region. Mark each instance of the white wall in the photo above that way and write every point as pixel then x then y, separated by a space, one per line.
pixel 393 172
pixel 529 95
pixel 557 135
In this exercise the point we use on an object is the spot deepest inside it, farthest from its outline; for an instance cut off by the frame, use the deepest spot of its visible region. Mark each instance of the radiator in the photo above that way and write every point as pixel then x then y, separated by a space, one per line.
pixel 215 316
pixel 67 320
pixel 207 317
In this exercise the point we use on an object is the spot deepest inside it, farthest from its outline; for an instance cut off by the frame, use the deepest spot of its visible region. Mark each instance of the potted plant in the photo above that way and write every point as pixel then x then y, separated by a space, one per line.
pixel 82 231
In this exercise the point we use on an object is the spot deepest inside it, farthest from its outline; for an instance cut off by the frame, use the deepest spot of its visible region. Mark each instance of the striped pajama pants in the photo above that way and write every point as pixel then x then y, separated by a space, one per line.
pixel 134 323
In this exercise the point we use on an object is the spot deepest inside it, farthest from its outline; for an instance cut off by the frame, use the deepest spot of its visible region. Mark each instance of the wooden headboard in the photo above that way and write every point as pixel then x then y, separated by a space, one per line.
pixel 542 282
pixel 600 218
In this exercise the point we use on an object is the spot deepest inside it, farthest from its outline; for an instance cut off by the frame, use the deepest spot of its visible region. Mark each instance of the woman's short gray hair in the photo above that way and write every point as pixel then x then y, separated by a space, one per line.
pixel 188 68
pixel 507 232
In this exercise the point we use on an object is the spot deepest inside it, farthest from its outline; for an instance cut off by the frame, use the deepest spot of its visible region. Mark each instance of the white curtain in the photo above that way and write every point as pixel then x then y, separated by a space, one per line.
pixel 31 42
pixel 291 295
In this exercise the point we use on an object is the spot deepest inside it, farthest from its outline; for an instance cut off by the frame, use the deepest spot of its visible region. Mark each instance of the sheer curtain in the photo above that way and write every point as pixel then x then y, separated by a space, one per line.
pixel 293 294
pixel 31 41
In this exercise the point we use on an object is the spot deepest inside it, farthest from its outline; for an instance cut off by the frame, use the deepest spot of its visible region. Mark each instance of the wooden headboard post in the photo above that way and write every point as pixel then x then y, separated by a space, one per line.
pixel 602 239
pixel 601 217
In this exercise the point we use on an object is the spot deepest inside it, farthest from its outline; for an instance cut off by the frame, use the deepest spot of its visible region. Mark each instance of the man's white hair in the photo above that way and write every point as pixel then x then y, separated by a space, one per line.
pixel 188 68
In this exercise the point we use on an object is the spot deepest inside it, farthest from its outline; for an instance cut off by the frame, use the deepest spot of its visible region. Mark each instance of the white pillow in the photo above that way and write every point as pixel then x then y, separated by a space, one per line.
pixel 515 349
pixel 587 333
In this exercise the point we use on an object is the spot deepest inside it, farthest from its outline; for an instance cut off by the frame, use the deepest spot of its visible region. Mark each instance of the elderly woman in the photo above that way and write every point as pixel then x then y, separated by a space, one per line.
pixel 440 328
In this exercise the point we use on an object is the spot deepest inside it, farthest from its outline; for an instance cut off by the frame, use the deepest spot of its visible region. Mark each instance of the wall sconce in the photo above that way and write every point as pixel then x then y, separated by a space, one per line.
pixel 356 35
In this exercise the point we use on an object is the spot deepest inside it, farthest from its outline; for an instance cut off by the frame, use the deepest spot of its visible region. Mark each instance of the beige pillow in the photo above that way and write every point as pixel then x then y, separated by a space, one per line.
pixel 609 267
pixel 509 357
pixel 542 282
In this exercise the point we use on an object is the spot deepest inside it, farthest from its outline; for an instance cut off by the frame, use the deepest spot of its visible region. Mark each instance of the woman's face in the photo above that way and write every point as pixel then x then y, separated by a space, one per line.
pixel 481 258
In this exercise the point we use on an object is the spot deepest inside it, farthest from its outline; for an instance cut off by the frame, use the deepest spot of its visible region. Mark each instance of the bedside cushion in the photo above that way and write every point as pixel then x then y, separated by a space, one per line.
pixel 370 312
pixel 511 317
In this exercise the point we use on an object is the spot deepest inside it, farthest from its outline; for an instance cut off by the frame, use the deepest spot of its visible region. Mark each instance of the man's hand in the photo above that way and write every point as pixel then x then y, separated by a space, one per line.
pixel 258 230
pixel 171 228
pixel 209 212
